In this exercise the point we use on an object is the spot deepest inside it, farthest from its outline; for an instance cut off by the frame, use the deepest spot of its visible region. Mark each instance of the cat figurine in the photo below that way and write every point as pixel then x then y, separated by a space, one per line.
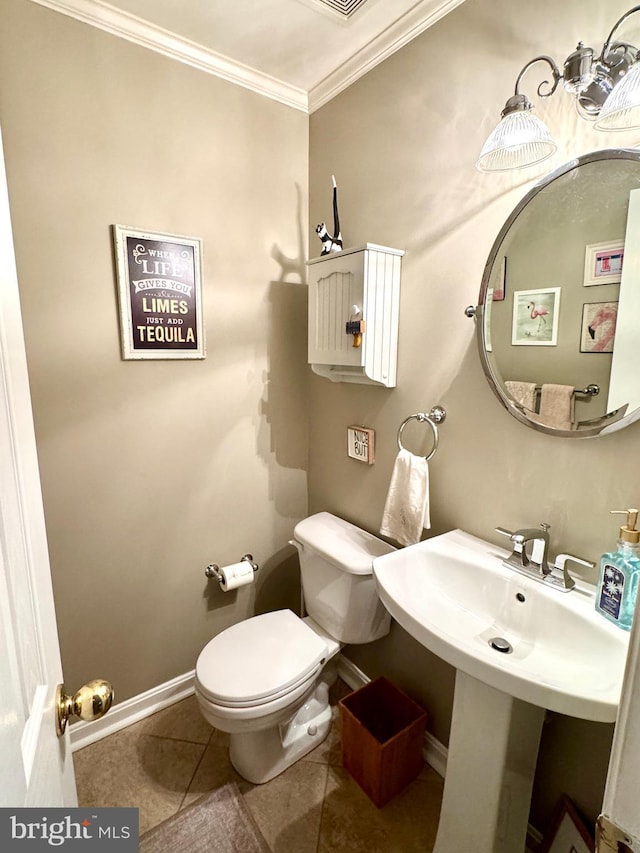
pixel 329 243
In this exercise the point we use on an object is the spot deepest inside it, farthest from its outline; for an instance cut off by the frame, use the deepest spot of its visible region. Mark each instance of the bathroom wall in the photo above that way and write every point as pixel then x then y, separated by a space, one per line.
pixel 153 469
pixel 402 143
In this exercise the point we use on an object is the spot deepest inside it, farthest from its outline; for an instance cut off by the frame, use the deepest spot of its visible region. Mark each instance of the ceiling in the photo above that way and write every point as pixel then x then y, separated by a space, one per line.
pixel 299 52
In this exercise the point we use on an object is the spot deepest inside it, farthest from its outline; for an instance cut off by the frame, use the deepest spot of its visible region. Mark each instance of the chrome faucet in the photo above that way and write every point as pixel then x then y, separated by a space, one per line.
pixel 561 564
pixel 538 562
pixel 537 565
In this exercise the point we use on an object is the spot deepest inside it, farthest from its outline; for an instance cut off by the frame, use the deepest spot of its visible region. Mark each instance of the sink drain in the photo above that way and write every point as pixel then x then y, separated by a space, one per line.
pixel 501 645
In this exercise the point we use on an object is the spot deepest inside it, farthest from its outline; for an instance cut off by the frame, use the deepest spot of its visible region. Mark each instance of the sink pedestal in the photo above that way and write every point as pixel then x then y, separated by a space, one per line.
pixel 454 594
pixel 493 749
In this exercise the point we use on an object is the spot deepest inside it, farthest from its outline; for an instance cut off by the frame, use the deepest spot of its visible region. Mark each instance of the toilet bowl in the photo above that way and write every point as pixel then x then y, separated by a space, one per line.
pixel 266 683
pixel 266 679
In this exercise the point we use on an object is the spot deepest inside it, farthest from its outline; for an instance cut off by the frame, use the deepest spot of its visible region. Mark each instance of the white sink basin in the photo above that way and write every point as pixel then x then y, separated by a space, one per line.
pixel 453 595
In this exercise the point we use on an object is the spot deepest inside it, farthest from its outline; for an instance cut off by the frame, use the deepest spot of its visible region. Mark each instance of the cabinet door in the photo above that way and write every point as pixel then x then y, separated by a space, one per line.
pixel 335 287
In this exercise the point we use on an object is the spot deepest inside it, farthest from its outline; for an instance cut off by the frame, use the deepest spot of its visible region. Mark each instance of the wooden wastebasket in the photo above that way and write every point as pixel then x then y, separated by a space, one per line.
pixel 382 738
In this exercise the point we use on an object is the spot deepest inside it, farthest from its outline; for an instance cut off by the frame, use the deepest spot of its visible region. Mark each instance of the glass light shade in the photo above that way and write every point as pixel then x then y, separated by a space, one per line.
pixel 520 140
pixel 621 110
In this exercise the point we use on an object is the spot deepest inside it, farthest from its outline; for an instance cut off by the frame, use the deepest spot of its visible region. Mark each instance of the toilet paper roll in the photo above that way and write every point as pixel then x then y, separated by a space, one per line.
pixel 235 575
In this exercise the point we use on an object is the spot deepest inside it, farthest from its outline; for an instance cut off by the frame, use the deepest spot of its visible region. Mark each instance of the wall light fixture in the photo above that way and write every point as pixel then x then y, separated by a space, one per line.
pixel 606 90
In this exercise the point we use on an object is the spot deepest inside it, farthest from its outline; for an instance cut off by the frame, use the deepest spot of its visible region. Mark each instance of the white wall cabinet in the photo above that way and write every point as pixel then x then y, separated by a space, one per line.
pixel 360 284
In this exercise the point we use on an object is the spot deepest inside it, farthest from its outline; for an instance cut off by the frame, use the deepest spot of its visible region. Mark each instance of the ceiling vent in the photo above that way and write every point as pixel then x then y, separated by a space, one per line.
pixel 343 9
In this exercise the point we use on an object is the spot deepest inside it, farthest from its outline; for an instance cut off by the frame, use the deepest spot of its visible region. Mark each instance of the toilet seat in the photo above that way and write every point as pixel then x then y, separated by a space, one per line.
pixel 259 660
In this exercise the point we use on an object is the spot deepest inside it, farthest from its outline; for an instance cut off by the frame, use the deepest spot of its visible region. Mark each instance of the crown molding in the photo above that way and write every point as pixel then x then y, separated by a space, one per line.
pixel 418 19
pixel 118 23
pixel 105 17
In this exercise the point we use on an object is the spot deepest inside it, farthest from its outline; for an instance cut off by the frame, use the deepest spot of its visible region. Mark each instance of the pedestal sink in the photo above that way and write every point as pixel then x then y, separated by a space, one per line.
pixel 519 647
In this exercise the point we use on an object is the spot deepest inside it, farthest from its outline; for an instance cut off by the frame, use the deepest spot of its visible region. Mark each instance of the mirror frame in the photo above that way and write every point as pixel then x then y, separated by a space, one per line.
pixel 609 422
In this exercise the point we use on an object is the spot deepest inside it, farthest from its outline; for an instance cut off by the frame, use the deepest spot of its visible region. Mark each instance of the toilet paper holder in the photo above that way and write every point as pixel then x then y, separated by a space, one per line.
pixel 213 569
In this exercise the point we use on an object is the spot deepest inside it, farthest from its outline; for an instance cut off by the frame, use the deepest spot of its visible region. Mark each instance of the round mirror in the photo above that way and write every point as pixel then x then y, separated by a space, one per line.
pixel 558 319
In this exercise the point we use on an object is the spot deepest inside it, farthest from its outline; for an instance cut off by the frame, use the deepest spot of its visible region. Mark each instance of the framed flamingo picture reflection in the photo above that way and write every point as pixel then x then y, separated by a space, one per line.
pixel 598 326
pixel 535 317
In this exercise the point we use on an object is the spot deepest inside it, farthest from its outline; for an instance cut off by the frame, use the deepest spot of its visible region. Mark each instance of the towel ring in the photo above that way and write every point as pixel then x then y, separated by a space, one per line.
pixel 434 417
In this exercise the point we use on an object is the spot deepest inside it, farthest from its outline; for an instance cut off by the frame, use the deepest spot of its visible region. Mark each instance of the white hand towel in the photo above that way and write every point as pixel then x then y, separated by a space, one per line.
pixel 557 406
pixel 406 511
pixel 523 393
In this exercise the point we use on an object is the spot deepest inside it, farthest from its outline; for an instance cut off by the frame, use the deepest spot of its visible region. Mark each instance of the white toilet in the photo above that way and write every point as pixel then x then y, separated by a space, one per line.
pixel 266 679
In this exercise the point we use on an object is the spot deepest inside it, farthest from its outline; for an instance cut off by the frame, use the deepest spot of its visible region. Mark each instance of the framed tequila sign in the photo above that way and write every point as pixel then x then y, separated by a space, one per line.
pixel 160 293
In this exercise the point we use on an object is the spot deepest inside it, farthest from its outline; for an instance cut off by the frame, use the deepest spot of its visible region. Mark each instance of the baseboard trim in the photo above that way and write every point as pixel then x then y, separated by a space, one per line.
pixel 139 707
pixel 351 674
pixel 143 705
pixel 133 710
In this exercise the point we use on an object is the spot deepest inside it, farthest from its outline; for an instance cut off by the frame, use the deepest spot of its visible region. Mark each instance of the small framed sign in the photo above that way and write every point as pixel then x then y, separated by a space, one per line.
pixel 603 263
pixel 160 292
pixel 360 443
pixel 568 834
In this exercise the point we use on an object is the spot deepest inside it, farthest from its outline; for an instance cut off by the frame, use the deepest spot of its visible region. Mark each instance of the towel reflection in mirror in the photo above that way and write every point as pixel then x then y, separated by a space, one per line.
pixel 554 406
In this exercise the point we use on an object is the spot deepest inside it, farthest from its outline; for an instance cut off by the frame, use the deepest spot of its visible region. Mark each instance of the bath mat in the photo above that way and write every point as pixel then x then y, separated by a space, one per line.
pixel 219 821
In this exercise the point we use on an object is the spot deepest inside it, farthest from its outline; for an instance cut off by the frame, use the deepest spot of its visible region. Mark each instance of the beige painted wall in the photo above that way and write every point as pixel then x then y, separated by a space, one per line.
pixel 151 470
pixel 402 143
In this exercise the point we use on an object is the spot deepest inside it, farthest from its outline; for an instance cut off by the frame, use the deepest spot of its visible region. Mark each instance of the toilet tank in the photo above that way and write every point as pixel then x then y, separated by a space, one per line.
pixel 336 568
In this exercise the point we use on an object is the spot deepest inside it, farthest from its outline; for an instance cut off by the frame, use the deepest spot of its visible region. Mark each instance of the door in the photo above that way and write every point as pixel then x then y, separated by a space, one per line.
pixel 37 769
pixel 618 828
pixel 624 382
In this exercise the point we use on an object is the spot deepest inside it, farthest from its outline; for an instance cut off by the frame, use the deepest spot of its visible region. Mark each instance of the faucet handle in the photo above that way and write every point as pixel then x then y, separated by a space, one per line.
pixel 544 527
pixel 504 531
pixel 561 559
pixel 561 564
pixel 517 539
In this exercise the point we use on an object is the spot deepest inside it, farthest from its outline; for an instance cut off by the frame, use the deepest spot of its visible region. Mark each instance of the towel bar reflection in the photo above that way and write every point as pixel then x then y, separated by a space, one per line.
pixel 591 390
pixel 433 418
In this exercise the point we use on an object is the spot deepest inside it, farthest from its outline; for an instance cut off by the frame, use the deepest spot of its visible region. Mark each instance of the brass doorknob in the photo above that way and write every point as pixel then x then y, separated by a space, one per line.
pixel 90 702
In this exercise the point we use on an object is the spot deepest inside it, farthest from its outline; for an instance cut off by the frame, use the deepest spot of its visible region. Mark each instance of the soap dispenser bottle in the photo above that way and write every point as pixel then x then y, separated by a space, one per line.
pixel 619 574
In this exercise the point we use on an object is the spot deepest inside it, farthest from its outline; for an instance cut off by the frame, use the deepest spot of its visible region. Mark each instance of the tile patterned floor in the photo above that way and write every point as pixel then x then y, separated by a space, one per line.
pixel 164 763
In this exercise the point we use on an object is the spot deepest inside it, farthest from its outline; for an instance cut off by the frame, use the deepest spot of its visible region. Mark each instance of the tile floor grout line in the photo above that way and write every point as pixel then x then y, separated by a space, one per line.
pixel 324 799
pixel 324 793
pixel 193 776
pixel 179 739
pixel 204 751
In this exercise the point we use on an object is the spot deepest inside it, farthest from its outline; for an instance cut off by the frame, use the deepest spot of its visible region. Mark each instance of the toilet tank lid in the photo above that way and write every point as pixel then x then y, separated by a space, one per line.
pixel 340 542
